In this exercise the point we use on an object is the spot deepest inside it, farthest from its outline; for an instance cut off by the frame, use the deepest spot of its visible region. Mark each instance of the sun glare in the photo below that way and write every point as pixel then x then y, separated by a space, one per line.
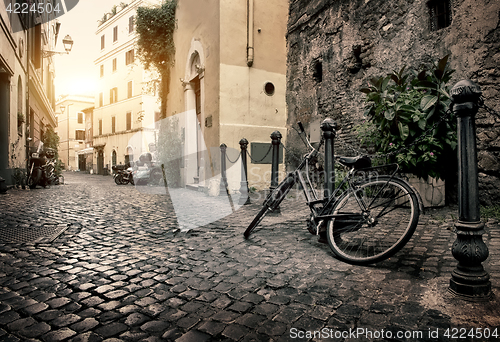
pixel 83 86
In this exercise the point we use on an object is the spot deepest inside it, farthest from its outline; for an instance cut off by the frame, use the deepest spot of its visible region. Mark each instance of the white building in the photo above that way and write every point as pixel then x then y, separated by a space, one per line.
pixel 71 129
pixel 123 110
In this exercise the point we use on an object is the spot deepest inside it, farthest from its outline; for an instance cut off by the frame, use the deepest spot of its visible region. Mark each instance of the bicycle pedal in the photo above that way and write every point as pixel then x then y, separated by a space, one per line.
pixel 322 237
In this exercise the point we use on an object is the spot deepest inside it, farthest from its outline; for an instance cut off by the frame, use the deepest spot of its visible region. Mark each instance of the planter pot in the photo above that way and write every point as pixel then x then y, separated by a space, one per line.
pixel 431 190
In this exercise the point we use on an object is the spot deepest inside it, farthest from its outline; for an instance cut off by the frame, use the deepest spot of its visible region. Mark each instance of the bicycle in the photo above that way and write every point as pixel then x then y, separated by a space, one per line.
pixel 367 220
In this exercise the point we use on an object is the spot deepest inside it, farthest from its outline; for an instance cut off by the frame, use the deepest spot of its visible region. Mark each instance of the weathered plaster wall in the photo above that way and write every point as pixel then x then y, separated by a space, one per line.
pixel 352 41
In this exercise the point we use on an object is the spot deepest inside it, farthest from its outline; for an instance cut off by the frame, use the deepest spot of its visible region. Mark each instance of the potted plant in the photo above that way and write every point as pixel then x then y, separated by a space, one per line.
pixel 412 106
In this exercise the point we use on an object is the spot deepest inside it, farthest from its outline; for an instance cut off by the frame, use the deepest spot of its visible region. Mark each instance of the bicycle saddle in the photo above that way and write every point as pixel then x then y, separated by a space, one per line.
pixel 359 162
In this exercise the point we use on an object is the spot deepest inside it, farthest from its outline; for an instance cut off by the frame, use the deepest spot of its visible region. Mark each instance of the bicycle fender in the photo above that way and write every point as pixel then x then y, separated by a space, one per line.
pixel 419 198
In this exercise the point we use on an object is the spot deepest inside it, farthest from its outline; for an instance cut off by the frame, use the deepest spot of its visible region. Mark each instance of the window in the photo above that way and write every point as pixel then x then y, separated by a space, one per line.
pixel 269 89
pixel 101 71
pixel 80 118
pixel 318 71
pixel 439 13
pixel 80 134
pixel 102 42
pixel 36 47
pixel 129 121
pixel 115 34
pixel 100 127
pixel 100 99
pixel 129 57
pixel 131 24
pixel 129 89
pixel 113 95
pixel 114 64
pixel 113 124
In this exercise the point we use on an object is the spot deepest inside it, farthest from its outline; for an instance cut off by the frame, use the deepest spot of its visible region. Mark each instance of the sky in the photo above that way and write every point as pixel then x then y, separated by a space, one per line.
pixel 76 73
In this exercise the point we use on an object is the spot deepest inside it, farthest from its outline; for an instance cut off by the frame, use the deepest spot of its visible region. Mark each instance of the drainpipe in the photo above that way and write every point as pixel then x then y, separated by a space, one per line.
pixel 250 33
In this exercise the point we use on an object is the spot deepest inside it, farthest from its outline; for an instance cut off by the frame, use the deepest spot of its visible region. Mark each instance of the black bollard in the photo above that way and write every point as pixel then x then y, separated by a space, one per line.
pixel 275 141
pixel 469 279
pixel 328 127
pixel 223 177
pixel 244 197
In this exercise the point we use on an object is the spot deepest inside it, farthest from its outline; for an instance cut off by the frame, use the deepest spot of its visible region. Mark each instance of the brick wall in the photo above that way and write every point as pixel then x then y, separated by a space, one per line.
pixel 335 47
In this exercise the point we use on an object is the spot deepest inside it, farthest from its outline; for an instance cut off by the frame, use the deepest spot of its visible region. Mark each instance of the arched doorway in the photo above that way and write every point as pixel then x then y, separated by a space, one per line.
pixel 100 162
pixel 113 158
pixel 129 157
pixel 194 146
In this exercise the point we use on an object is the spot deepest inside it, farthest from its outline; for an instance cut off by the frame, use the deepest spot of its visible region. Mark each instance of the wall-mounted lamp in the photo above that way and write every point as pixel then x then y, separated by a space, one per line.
pixel 68 45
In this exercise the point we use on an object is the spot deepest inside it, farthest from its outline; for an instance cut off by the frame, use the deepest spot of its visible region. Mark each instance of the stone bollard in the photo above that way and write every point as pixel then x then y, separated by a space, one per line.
pixel 276 141
pixel 328 127
pixel 244 193
pixel 469 280
pixel 223 177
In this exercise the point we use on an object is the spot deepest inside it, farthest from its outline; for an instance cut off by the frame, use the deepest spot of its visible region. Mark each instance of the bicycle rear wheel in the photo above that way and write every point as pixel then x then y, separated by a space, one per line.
pixel 362 236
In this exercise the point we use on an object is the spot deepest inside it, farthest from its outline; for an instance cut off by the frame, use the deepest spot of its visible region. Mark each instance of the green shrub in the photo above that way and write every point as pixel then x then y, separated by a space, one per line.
pixel 403 106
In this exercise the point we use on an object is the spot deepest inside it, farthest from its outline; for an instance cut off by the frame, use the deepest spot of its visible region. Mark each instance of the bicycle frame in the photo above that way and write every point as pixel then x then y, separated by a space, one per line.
pixel 364 199
pixel 321 207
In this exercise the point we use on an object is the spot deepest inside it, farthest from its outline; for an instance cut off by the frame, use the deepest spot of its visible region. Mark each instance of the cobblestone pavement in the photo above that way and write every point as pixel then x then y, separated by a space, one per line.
pixel 94 261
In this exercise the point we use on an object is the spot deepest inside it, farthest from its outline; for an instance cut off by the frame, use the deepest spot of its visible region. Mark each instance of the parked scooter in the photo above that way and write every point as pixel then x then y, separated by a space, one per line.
pixel 50 166
pixel 146 171
pixel 36 167
pixel 123 174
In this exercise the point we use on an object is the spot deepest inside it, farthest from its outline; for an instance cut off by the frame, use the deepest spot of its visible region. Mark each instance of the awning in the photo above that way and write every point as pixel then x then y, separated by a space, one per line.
pixel 88 150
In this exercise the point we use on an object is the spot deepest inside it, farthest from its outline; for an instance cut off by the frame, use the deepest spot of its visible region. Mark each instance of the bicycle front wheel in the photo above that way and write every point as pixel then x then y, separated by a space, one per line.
pixel 374 221
pixel 255 222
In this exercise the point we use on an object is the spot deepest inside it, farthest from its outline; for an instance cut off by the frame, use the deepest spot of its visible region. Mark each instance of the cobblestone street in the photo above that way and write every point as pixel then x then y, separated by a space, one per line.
pixel 93 261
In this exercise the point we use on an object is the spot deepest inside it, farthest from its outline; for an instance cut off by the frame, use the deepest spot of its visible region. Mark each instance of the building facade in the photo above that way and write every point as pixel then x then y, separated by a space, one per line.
pixel 228 83
pixel 71 129
pixel 124 110
pixel 336 47
pixel 86 156
pixel 27 99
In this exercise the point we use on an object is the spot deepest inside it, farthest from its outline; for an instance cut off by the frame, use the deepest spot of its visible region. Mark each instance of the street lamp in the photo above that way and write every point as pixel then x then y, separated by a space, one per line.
pixel 68 45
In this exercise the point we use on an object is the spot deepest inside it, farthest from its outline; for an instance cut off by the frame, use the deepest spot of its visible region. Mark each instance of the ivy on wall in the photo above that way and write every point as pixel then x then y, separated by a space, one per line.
pixel 155 47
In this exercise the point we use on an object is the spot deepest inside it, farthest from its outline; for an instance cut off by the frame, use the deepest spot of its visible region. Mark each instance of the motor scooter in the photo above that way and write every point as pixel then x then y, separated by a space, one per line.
pixel 123 174
pixel 36 167
pixel 50 166
pixel 146 171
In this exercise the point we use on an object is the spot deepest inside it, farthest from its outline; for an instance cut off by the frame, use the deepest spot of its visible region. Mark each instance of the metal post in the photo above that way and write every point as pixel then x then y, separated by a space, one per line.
pixel 469 279
pixel 275 141
pixel 328 127
pixel 244 197
pixel 223 179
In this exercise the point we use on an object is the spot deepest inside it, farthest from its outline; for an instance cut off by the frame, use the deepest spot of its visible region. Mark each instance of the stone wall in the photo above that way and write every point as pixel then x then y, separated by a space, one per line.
pixel 335 47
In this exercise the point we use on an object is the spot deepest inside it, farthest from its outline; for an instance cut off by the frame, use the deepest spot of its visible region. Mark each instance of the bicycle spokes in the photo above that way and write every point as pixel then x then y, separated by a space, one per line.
pixel 373 221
